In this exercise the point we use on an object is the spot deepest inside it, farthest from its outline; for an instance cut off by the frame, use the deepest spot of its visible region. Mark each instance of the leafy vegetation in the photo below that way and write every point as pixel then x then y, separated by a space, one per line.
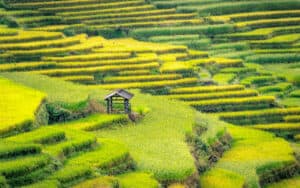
pixel 247 75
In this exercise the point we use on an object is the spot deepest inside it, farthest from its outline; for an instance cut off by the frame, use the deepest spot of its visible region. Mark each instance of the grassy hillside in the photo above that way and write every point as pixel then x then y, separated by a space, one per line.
pixel 209 78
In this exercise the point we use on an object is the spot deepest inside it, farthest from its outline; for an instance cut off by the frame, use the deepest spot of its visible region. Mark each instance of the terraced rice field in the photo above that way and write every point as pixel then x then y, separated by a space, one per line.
pixel 216 84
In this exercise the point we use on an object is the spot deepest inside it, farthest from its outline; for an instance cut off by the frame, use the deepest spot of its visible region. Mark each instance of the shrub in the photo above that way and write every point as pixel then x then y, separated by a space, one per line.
pixel 2 179
pixel 295 93
pixel 9 21
pixel 296 80
pixel 141 110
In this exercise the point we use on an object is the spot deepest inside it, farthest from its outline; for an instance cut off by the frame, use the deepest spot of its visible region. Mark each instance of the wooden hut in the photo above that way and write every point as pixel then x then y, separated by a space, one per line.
pixel 119 97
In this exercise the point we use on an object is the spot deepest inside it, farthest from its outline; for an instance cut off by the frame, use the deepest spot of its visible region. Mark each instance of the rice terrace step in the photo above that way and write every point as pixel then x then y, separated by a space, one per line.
pixel 214 84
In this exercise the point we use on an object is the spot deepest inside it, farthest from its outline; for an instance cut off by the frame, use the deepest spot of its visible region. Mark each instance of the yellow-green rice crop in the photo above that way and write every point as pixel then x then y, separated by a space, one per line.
pixel 268 22
pixel 295 118
pixel 82 78
pixel 279 127
pixel 18 105
pixel 106 11
pixel 175 67
pixel 22 66
pixel 137 180
pixel 207 89
pixel 255 15
pixel 88 57
pixel 287 183
pixel 24 36
pixel 215 95
pixel 150 84
pixel 129 44
pixel 218 177
pixel 89 70
pixel 223 78
pixel 44 44
pixel 103 181
pixel 96 121
pixel 250 151
pixel 234 104
pixel 151 23
pixel 136 78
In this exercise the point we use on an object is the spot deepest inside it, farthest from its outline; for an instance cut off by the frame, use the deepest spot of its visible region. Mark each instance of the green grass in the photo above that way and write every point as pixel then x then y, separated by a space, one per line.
pixel 157 143
pixel 147 141
pixel 224 79
pixel 56 89
pixel 290 101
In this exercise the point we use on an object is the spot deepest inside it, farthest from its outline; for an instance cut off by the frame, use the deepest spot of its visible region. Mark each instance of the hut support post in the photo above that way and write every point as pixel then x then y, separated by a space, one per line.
pixel 126 106
pixel 109 105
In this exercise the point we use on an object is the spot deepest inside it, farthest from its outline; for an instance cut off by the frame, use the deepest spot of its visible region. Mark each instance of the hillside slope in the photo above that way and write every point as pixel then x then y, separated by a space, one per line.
pixel 233 60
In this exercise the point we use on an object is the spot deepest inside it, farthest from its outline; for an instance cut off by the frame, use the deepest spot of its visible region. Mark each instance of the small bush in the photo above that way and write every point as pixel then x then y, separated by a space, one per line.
pixel 142 110
pixel 10 21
